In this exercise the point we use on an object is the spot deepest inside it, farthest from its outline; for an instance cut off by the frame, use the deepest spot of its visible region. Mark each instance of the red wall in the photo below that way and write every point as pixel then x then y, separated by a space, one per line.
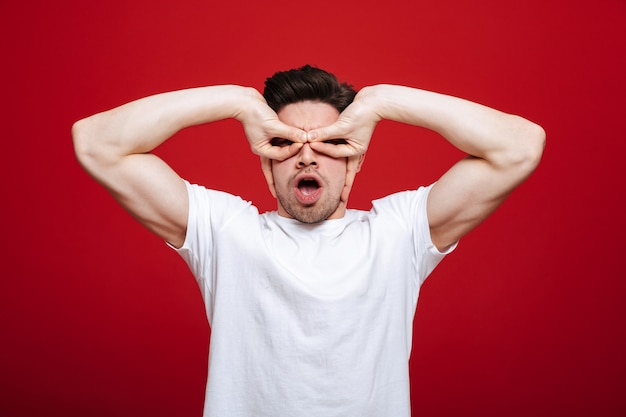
pixel 100 318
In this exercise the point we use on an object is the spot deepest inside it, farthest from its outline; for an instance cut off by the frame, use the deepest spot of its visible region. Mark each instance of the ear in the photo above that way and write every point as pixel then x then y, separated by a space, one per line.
pixel 266 166
pixel 360 160
pixel 352 168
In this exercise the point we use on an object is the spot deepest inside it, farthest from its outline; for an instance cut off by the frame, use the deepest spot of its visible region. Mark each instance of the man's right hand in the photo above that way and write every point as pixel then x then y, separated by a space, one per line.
pixel 115 148
pixel 261 125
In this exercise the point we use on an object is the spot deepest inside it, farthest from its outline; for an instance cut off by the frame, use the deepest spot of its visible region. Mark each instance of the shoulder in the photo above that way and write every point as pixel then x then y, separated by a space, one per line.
pixel 200 195
pixel 215 207
pixel 408 203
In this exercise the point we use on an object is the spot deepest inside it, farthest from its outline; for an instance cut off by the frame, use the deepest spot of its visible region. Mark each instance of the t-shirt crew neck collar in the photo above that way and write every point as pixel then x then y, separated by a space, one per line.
pixel 321 227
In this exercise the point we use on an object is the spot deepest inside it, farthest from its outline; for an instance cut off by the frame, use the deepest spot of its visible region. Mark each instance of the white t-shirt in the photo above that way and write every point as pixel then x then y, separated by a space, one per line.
pixel 309 320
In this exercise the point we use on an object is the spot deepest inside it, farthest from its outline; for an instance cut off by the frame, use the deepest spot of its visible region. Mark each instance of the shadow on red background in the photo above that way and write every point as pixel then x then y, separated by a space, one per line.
pixel 99 318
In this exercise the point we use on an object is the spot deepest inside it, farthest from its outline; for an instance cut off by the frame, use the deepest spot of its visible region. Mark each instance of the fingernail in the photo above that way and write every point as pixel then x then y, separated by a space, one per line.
pixel 310 135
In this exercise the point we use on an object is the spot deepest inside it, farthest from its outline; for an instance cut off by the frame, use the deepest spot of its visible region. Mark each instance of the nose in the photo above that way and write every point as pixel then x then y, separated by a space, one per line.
pixel 306 156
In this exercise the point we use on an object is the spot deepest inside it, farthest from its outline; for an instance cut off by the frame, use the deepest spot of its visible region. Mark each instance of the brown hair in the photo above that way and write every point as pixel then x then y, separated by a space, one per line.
pixel 307 83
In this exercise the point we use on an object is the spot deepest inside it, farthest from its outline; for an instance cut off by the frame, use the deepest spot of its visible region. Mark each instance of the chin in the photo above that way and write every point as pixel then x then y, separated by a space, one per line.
pixel 312 215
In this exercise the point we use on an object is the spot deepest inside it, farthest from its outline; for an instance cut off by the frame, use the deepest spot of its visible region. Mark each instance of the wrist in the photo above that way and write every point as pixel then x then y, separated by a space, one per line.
pixel 244 100
pixel 372 99
pixel 403 104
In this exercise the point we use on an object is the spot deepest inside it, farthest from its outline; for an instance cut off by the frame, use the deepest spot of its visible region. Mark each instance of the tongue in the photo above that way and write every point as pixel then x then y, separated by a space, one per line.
pixel 308 189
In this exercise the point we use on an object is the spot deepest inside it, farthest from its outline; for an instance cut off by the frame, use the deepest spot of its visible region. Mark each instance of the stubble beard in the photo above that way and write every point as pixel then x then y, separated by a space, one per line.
pixel 313 214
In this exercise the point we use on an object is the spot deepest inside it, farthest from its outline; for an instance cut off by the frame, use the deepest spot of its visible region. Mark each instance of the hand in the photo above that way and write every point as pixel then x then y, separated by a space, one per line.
pixel 351 133
pixel 261 125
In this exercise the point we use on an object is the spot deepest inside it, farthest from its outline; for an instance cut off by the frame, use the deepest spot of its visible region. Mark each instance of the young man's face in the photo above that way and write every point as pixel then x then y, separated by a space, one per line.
pixel 310 186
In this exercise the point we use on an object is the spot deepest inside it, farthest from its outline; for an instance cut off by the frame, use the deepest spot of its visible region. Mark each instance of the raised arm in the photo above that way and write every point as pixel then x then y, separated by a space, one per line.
pixel 114 147
pixel 503 150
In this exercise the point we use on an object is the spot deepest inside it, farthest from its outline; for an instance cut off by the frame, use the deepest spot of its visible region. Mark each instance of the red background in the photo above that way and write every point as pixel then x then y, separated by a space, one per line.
pixel 100 318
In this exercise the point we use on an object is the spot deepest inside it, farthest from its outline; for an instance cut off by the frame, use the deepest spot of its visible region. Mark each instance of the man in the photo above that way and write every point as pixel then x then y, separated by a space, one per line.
pixel 310 306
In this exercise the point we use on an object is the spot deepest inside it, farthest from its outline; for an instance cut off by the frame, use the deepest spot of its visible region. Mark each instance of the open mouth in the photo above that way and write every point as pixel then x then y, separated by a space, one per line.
pixel 308 186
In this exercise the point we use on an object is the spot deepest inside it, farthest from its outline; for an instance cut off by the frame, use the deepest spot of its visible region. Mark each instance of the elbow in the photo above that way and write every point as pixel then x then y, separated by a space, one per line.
pixel 78 135
pixel 87 144
pixel 535 143
pixel 90 147
pixel 527 148
pixel 80 140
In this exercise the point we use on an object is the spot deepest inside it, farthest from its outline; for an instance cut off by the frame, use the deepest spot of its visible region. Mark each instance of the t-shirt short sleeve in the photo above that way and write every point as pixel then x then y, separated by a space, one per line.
pixel 409 208
pixel 209 210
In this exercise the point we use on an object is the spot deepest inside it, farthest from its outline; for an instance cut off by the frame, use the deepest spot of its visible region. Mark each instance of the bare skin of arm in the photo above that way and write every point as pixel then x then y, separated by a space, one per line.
pixel 114 147
pixel 503 150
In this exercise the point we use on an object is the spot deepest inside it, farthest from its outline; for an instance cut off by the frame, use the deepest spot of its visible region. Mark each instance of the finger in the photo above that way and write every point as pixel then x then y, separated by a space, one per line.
pixel 333 131
pixel 336 150
pixel 279 153
pixel 285 131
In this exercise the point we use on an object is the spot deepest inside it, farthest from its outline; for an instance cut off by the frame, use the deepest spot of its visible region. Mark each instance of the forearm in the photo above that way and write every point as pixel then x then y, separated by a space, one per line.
pixel 473 128
pixel 142 125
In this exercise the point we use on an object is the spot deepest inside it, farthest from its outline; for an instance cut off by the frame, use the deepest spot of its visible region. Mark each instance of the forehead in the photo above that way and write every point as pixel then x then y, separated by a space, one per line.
pixel 307 115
